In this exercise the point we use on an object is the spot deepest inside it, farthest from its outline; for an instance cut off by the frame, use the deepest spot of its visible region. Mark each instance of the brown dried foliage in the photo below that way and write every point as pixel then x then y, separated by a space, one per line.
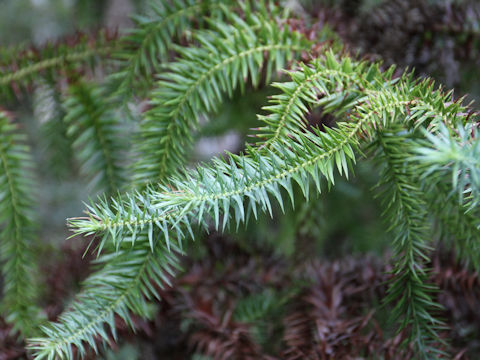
pixel 337 314
pixel 434 37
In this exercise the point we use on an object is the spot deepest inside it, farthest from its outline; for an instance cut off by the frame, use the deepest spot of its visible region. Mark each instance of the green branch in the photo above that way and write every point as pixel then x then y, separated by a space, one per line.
pixel 120 286
pixel 96 136
pixel 196 85
pixel 147 45
pixel 18 265
pixel 406 212
pixel 57 61
pixel 333 84
pixel 26 65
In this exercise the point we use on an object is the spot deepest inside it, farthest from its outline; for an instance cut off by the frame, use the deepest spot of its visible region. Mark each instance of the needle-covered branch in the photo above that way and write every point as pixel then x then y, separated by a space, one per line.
pixel 20 282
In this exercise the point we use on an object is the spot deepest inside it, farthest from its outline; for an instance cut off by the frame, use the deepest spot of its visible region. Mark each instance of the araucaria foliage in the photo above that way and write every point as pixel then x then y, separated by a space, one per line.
pixel 187 58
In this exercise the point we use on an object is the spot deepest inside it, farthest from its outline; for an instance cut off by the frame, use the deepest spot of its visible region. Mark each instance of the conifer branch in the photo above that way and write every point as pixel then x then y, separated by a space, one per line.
pixel 455 154
pixel 49 113
pixel 96 136
pixel 20 283
pixel 196 85
pixel 334 84
pixel 21 70
pixel 405 210
pixel 223 187
pixel 147 46
pixel 451 171
pixel 122 285
pixel 459 229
